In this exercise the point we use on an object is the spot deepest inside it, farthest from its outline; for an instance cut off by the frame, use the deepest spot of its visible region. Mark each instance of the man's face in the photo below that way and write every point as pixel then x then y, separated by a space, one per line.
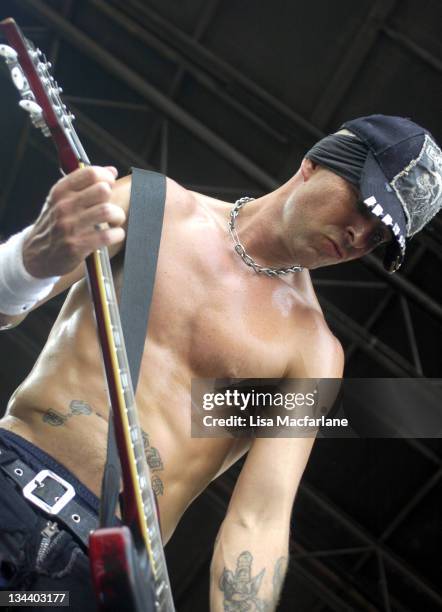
pixel 327 221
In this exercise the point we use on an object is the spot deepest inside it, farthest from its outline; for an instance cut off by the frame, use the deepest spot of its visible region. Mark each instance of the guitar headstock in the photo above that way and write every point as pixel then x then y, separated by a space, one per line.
pixel 40 94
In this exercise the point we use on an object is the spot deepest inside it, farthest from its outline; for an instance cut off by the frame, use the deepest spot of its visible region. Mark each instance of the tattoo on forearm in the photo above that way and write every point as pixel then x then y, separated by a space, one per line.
pixel 241 588
pixel 56 418
pixel 278 577
pixel 155 464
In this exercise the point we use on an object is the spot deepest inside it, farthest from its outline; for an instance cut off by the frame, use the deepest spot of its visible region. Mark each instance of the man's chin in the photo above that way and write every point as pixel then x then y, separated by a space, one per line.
pixel 326 264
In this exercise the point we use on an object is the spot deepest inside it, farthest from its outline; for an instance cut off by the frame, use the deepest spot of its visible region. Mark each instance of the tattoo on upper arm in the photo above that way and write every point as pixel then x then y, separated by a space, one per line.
pixel 241 588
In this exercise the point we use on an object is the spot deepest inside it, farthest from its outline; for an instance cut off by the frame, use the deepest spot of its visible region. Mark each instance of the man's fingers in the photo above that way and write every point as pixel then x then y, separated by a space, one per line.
pixel 81 179
pixel 96 239
pixel 90 196
pixel 101 213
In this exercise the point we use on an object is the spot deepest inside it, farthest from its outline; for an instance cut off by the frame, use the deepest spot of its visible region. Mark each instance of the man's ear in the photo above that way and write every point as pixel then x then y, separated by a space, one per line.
pixel 307 168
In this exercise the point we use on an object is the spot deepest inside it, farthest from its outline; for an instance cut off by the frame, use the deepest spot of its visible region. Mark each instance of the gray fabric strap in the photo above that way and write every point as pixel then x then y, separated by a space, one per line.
pixel 140 261
pixel 146 212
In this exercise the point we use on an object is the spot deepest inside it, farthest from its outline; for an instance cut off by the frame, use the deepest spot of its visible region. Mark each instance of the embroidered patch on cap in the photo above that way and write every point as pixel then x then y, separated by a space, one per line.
pixel 419 187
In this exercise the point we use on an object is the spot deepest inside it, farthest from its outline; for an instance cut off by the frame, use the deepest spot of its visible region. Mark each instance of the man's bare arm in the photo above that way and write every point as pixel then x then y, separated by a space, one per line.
pixel 65 234
pixel 251 552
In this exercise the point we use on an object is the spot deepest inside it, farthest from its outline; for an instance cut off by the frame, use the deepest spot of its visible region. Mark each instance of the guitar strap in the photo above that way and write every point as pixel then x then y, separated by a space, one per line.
pixel 146 212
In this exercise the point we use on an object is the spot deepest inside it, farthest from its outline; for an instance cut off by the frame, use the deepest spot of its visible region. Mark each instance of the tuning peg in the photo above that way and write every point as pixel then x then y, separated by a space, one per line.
pixel 67 119
pixel 31 107
pixel 8 53
pixel 36 114
pixel 19 78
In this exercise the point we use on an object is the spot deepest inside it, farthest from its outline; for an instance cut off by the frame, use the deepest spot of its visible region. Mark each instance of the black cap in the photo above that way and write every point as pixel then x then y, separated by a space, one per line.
pixel 401 182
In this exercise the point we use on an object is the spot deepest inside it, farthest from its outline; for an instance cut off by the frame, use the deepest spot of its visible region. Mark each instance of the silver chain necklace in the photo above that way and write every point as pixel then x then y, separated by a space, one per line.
pixel 241 250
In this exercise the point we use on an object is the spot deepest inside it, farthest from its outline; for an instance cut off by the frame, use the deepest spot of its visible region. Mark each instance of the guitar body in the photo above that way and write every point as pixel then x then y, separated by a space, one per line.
pixel 121 575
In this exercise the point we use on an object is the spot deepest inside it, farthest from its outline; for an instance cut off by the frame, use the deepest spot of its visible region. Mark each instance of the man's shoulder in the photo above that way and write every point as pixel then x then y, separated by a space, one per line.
pixel 316 350
pixel 177 196
pixel 307 315
pixel 180 199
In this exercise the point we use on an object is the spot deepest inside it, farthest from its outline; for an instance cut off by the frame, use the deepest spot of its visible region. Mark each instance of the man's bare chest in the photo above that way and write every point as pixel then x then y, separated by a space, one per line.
pixel 217 319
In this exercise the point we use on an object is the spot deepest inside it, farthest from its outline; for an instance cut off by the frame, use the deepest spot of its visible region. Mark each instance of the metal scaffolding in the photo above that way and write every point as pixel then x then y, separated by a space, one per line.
pixel 191 56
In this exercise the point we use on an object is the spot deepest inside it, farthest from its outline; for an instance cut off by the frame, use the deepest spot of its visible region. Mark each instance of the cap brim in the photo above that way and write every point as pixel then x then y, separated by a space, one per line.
pixel 382 201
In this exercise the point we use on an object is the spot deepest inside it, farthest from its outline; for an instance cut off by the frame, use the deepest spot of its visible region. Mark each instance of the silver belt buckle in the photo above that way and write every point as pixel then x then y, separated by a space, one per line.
pixel 37 482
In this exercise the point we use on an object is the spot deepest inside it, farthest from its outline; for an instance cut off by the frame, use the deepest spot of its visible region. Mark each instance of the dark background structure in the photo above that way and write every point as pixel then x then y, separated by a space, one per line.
pixel 225 97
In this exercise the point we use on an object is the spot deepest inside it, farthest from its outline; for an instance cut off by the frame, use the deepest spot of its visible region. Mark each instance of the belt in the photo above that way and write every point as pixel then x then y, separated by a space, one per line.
pixel 51 494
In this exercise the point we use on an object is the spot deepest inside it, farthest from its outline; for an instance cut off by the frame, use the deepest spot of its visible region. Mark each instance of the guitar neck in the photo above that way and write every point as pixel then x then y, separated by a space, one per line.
pixel 139 508
pixel 40 98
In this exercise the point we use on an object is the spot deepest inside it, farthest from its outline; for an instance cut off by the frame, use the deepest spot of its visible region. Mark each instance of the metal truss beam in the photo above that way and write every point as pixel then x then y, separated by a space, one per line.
pixel 404 287
pixel 112 146
pixel 343 582
pixel 224 72
pixel 351 63
pixel 361 534
pixel 18 156
pixel 132 27
pixel 157 99
pixel 371 345
pixel 411 335
pixel 240 161
pixel 416 49
pixel 201 25
pixel 385 301
pixel 402 515
pixel 130 106
pixel 327 595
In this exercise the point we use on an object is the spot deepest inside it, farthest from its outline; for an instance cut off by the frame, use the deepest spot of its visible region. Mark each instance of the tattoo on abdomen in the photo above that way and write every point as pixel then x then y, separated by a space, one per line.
pixel 241 588
pixel 79 407
pixel 155 464
pixel 76 407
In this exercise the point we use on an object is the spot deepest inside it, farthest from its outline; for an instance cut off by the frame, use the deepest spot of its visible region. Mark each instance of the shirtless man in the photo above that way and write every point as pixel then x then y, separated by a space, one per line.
pixel 212 316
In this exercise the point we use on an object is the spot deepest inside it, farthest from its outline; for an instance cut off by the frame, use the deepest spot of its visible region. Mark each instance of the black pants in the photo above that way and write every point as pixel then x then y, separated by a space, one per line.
pixel 28 559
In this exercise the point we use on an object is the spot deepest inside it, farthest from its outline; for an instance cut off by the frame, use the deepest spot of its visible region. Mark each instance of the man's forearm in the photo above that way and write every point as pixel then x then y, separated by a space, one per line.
pixel 248 567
